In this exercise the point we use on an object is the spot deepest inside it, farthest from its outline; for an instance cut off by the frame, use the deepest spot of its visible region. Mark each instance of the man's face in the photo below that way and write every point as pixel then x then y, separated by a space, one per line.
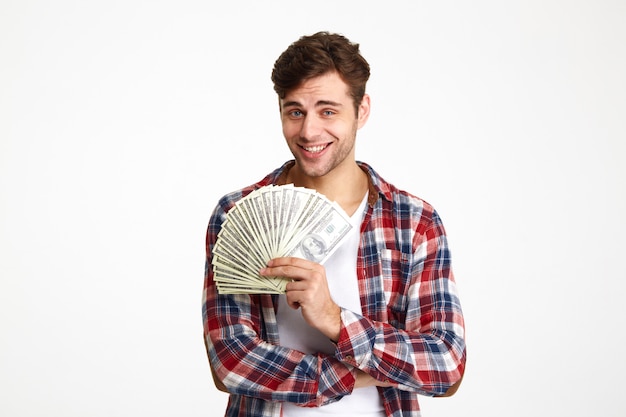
pixel 320 124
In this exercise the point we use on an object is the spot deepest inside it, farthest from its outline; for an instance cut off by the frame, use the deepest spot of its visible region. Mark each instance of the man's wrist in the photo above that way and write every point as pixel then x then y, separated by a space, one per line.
pixel 333 328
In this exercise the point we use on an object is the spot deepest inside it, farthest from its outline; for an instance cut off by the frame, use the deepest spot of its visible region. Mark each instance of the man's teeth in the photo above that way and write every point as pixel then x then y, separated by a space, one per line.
pixel 314 149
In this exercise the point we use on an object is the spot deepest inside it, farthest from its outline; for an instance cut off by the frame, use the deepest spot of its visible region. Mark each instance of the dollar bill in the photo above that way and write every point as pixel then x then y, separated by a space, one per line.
pixel 319 241
pixel 271 222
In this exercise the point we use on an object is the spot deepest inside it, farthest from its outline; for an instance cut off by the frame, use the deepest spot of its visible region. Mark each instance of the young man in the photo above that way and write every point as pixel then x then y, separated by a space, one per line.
pixel 380 321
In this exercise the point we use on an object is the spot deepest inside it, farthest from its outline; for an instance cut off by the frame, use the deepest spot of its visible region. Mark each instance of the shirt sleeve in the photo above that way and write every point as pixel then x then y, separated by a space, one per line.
pixel 244 352
pixel 417 340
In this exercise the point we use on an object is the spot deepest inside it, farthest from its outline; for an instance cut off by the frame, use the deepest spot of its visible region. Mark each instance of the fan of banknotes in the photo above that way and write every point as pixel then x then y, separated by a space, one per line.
pixel 270 222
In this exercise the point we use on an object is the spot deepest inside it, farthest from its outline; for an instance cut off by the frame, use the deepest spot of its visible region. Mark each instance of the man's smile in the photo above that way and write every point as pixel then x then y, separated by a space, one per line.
pixel 315 149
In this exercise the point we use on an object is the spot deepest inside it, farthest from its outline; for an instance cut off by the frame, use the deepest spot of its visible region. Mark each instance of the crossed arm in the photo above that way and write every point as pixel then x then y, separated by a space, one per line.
pixel 307 290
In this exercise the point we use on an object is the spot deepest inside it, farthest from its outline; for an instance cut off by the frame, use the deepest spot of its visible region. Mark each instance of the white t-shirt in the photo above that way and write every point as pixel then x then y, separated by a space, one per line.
pixel 295 333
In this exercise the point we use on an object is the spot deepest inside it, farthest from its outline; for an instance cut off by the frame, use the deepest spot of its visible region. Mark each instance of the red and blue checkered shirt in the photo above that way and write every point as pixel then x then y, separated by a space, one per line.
pixel 410 332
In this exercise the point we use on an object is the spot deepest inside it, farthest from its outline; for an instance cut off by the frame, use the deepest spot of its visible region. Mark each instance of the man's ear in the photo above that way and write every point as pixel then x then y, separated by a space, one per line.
pixel 364 111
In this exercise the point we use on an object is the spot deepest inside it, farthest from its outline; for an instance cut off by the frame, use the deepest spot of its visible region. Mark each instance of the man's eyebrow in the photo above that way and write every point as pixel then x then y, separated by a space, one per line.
pixel 327 103
pixel 320 103
pixel 291 104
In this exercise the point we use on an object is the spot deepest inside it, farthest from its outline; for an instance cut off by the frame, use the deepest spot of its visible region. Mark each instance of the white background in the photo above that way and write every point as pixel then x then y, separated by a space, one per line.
pixel 123 122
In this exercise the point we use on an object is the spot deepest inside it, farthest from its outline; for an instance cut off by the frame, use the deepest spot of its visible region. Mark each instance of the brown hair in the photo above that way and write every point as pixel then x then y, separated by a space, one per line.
pixel 315 55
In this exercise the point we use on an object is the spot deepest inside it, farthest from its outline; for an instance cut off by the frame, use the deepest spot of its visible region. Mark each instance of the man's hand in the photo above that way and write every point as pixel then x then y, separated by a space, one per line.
pixel 308 290
pixel 366 380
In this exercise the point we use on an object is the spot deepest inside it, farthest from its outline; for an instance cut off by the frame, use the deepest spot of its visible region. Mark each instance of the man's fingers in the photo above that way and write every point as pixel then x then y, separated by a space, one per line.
pixel 295 269
pixel 290 272
pixel 291 261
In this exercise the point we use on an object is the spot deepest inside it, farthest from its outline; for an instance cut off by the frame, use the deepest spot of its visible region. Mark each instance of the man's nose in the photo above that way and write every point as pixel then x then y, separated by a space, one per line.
pixel 311 127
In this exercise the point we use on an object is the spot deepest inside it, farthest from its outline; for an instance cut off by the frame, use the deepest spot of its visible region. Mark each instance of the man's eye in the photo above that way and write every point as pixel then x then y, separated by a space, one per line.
pixel 296 113
pixel 328 112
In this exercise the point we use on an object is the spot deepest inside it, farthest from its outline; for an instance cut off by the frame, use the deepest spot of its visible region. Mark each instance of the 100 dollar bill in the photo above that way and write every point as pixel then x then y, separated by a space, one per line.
pixel 271 222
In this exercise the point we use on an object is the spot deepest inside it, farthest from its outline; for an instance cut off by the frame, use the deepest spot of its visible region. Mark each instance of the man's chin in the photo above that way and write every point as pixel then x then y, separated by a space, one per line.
pixel 311 170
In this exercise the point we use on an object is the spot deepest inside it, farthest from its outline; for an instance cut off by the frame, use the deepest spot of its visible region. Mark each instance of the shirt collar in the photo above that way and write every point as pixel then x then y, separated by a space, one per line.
pixel 377 186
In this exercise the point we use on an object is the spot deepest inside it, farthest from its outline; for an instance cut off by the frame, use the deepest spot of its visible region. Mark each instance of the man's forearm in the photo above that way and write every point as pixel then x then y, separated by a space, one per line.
pixel 366 380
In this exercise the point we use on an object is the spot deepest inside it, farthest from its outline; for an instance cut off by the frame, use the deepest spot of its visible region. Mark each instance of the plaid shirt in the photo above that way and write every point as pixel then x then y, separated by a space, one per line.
pixel 411 331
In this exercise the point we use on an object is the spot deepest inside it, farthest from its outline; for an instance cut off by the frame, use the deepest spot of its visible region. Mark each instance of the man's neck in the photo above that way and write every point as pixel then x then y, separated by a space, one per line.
pixel 347 187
